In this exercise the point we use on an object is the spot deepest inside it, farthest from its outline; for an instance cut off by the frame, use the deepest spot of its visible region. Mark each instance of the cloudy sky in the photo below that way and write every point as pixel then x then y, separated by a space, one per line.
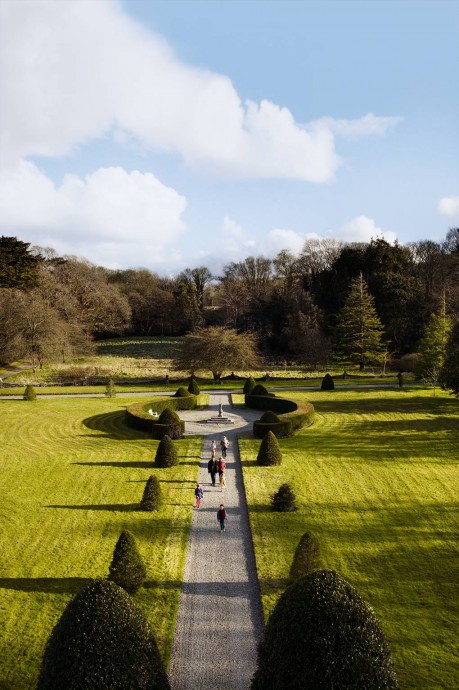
pixel 175 133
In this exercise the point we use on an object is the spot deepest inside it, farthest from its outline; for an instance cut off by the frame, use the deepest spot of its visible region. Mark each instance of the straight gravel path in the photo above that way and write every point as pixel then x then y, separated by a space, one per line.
pixel 219 621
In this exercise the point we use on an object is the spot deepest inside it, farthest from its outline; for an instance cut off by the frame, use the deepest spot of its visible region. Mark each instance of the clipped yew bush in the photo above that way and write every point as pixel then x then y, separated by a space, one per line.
pixel 102 640
pixel 328 383
pixel 269 417
pixel 284 500
pixel 110 390
pixel 168 424
pixel 152 496
pixel 166 453
pixel 193 387
pixel 307 557
pixel 29 393
pixel 127 568
pixel 269 452
pixel 181 392
pixel 249 385
pixel 259 390
pixel 322 635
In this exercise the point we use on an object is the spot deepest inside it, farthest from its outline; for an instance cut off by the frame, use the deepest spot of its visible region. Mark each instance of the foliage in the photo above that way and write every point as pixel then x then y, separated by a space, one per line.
pixel 259 390
pixel 127 568
pixel 30 393
pixel 307 557
pixel 284 500
pixel 152 496
pixel 327 383
pixel 166 454
pixel 269 417
pixel 182 392
pixel 249 385
pixel 341 642
pixel 432 348
pixel 217 349
pixel 193 386
pixel 110 389
pixel 450 371
pixel 19 268
pixel 269 452
pixel 102 640
pixel 359 330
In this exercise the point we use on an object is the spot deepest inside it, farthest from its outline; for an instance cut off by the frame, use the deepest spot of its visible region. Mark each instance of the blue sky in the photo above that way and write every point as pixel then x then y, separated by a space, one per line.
pixel 178 133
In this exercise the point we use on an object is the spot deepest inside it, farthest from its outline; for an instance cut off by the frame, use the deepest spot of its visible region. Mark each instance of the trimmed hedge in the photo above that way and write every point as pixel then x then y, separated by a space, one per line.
pixel 166 454
pixel 152 497
pixel 102 640
pixel 269 452
pixel 328 383
pixel 127 568
pixel 292 415
pixel 137 416
pixel 322 635
pixel 307 557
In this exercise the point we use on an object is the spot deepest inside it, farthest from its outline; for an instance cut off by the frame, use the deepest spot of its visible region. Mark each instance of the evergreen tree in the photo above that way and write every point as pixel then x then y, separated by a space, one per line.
pixel 166 454
pixel 449 375
pixel 110 390
pixel 269 452
pixel 18 267
pixel 152 498
pixel 307 557
pixel 127 568
pixel 432 348
pixel 29 393
pixel 284 500
pixel 359 330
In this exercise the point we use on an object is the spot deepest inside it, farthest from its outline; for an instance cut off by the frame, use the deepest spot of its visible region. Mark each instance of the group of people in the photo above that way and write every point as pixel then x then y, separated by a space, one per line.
pixel 221 512
pixel 215 466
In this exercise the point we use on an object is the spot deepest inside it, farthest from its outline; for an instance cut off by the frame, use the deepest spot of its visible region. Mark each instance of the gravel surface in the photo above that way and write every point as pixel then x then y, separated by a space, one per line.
pixel 219 621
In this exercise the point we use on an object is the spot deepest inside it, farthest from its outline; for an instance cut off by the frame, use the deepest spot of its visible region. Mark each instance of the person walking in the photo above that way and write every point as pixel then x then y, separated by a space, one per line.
pixel 222 517
pixel 213 450
pixel 221 467
pixel 224 443
pixel 222 481
pixel 210 466
pixel 198 494
pixel 213 471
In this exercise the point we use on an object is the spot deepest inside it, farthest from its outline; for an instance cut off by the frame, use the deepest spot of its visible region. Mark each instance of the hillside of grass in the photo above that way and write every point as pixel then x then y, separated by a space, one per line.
pixel 71 478
pixel 376 481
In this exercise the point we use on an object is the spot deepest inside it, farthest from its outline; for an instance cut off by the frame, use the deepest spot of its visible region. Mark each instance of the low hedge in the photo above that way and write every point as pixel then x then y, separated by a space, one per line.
pixel 292 415
pixel 137 416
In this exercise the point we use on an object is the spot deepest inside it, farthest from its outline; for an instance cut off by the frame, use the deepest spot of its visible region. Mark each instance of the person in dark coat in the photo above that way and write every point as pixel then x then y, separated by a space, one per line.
pixel 222 517
pixel 214 471
pixel 210 465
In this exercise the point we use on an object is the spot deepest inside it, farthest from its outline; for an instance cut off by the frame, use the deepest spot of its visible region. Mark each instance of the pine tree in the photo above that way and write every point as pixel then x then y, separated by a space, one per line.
pixel 449 375
pixel 432 348
pixel 166 454
pixel 269 452
pixel 110 390
pixel 359 330
pixel 127 568
pixel 152 498
pixel 29 393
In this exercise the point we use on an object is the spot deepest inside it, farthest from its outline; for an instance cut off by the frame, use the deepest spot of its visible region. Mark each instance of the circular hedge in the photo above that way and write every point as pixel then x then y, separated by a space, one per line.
pixel 322 635
pixel 292 415
pixel 138 417
pixel 102 640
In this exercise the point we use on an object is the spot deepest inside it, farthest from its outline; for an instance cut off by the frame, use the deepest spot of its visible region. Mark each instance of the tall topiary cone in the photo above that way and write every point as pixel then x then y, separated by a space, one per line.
pixel 307 557
pixel 181 392
pixel 102 640
pixel 283 500
pixel 327 383
pixel 152 497
pixel 269 452
pixel 110 389
pixel 259 390
pixel 322 635
pixel 127 568
pixel 166 454
pixel 193 387
pixel 29 393
pixel 249 385
pixel 171 419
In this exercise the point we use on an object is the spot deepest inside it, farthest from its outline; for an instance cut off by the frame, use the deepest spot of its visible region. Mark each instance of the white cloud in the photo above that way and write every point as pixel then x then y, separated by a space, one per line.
pixel 361 229
pixel 449 206
pixel 279 239
pixel 364 126
pixel 77 71
pixel 110 216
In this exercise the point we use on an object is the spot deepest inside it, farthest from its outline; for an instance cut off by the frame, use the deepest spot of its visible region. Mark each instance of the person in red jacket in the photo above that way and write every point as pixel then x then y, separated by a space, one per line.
pixel 221 467
pixel 222 517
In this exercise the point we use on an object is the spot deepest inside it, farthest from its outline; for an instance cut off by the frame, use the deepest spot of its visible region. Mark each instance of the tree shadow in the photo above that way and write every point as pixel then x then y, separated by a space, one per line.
pixel 116 507
pixel 112 425
pixel 50 585
pixel 162 584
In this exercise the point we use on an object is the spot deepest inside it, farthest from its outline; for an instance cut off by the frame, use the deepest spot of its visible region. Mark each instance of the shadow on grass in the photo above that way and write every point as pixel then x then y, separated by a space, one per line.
pixel 162 584
pixel 117 507
pixel 134 465
pixel 112 425
pixel 394 404
pixel 50 585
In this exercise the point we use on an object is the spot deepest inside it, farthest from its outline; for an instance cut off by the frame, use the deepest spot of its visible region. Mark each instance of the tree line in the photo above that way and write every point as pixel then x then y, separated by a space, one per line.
pixel 304 308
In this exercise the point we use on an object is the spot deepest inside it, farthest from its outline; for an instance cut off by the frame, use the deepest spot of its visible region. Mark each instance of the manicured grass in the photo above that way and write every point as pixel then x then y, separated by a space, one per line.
pixel 376 481
pixel 71 478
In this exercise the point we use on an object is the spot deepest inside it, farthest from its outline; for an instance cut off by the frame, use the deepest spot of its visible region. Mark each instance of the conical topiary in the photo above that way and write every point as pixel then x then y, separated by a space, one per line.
pixel 269 417
pixel 269 452
pixel 193 387
pixel 328 383
pixel 102 640
pixel 181 392
pixel 110 389
pixel 306 558
pixel 323 634
pixel 283 500
pixel 259 390
pixel 29 393
pixel 249 385
pixel 152 497
pixel 127 568
pixel 171 424
pixel 166 454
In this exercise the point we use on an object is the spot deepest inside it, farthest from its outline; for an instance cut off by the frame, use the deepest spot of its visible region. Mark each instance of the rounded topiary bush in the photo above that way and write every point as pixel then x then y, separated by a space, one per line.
pixel 166 453
pixel 170 423
pixel 322 635
pixel 181 392
pixel 249 385
pixel 193 387
pixel 127 568
pixel 269 452
pixel 102 640
pixel 152 496
pixel 259 390
pixel 29 393
pixel 283 500
pixel 269 417
pixel 307 557
pixel 328 383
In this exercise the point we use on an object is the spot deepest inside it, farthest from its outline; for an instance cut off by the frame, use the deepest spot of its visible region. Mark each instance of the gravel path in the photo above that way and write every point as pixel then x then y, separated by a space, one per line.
pixel 219 621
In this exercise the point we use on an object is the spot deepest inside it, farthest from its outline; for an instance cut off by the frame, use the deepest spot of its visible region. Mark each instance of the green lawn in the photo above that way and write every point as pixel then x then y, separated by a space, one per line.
pixel 376 481
pixel 71 476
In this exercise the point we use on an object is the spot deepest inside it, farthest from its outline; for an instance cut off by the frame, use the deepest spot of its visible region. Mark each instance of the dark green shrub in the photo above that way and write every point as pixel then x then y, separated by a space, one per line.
pixel 137 416
pixel 259 390
pixel 193 387
pixel 181 392
pixel 327 383
pixel 166 454
pixel 269 417
pixel 152 497
pixel 269 452
pixel 322 635
pixel 110 390
pixel 102 640
pixel 284 501
pixel 29 393
pixel 127 568
pixel 307 557
pixel 168 424
pixel 249 385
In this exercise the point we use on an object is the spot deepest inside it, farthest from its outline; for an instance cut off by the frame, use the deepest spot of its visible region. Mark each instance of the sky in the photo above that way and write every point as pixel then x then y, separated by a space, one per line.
pixel 168 134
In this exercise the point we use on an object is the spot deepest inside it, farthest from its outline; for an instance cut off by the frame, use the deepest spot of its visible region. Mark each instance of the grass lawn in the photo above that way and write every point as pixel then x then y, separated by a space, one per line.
pixel 71 476
pixel 377 483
